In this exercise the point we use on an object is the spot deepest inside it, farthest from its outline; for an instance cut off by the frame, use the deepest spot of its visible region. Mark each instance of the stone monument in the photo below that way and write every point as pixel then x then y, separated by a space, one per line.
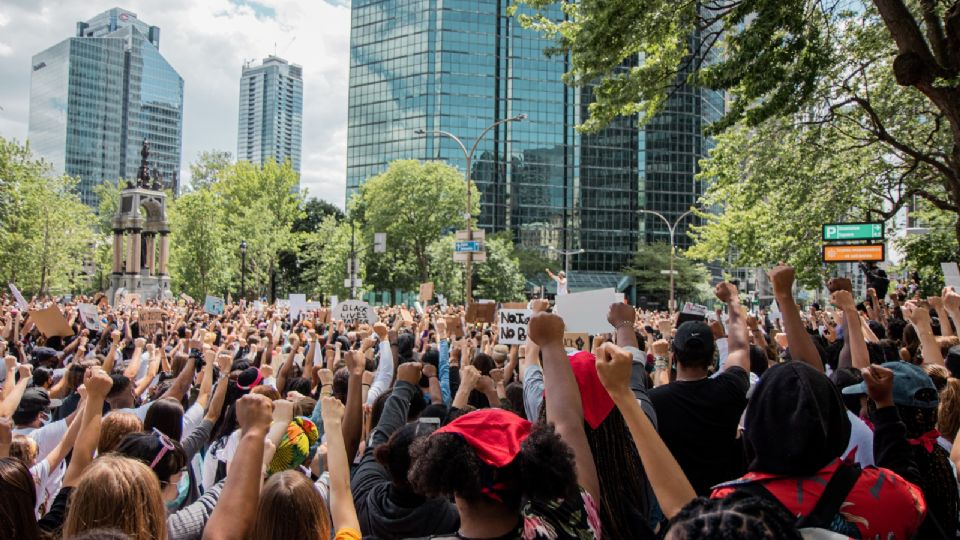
pixel 141 236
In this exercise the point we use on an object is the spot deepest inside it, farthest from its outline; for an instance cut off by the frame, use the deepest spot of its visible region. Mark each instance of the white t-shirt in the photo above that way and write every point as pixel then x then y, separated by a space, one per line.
pixel 47 437
pixel 561 286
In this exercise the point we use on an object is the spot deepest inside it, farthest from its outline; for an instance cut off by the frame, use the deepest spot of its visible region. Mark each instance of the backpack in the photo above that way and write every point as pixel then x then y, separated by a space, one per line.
pixel 816 524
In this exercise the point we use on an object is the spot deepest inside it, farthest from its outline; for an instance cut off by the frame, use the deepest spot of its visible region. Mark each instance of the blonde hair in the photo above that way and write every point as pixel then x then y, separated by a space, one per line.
pixel 290 507
pixel 948 417
pixel 25 449
pixel 114 427
pixel 120 493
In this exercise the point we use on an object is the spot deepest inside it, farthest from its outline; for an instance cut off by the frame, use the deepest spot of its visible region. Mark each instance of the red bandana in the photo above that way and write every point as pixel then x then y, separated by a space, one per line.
pixel 928 440
pixel 597 403
pixel 495 434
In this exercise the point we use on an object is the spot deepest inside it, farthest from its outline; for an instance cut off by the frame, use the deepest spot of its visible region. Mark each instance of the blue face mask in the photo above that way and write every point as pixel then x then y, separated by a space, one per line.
pixel 183 488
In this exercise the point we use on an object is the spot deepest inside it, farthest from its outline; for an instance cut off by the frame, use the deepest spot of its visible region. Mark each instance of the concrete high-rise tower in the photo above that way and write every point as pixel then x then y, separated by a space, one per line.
pixel 271 112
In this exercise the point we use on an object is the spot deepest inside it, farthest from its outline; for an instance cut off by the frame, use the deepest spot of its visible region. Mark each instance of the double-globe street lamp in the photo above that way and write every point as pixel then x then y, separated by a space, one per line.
pixel 468 156
pixel 672 227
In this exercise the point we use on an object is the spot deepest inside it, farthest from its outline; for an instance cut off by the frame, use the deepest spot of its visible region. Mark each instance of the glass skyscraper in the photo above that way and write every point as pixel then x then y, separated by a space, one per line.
pixel 95 97
pixel 460 65
pixel 271 112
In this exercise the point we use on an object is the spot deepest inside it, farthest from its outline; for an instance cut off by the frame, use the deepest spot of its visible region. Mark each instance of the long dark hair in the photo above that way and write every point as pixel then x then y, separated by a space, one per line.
pixel 167 416
pixel 19 496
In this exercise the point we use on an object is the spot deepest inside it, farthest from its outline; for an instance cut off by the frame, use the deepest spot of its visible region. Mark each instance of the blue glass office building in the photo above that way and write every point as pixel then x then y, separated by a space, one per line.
pixel 460 65
pixel 95 97
pixel 271 112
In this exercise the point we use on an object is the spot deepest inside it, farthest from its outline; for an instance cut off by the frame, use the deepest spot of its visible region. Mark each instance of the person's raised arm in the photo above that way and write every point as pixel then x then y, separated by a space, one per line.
pixel 206 384
pixel 6 436
pixel 133 367
pixel 469 376
pixel 183 381
pixel 853 335
pixel 800 343
pixel 65 445
pixel 10 371
pixel 443 364
pixel 342 509
pixel 12 400
pixel 738 336
pixel 353 417
pixel 919 317
pixel 112 354
pixel 287 366
pixel 384 376
pixel 237 508
pixel 951 304
pixel 564 408
pixel 97 385
pixel 220 394
pixel 669 484
pixel 946 329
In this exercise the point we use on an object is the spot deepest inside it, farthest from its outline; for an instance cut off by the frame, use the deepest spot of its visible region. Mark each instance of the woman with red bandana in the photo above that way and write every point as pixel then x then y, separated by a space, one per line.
pixel 512 479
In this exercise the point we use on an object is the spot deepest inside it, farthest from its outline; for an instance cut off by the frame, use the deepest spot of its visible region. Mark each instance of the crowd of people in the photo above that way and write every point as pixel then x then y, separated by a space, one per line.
pixel 824 421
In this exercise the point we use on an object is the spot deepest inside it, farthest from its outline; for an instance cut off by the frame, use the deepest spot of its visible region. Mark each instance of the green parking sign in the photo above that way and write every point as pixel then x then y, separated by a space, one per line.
pixel 852 231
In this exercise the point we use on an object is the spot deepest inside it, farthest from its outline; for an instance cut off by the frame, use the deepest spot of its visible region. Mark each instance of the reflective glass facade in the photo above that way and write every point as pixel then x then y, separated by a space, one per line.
pixel 95 97
pixel 460 65
pixel 271 112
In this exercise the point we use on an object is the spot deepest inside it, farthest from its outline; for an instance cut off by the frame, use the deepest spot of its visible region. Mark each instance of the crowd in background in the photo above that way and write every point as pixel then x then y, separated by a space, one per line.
pixel 838 419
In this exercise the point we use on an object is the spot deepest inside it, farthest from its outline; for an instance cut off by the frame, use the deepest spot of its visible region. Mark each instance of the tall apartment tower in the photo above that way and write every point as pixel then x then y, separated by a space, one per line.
pixel 453 66
pixel 271 112
pixel 95 97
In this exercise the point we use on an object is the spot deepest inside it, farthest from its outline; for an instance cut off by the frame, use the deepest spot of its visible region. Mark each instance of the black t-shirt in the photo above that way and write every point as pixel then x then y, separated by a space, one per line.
pixel 698 422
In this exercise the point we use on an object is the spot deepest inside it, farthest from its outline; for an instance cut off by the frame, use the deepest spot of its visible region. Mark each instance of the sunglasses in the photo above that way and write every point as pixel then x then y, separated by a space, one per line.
pixel 166 445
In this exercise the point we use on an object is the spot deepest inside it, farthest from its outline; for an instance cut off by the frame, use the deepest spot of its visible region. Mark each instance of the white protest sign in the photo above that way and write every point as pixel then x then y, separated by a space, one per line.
pixel 21 301
pixel 418 306
pixel 512 326
pixel 257 306
pixel 334 301
pixel 586 312
pixel 213 305
pixel 89 315
pixel 298 303
pixel 355 311
pixel 442 300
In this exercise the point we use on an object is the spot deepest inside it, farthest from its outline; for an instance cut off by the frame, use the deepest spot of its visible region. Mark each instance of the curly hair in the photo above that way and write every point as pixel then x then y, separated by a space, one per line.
pixel 444 464
pixel 740 516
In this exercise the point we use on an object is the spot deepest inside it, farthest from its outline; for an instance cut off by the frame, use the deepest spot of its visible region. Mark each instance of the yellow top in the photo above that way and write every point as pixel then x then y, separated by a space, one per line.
pixel 347 533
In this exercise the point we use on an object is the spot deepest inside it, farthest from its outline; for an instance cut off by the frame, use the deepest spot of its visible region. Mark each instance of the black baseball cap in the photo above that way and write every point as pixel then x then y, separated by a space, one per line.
pixel 693 340
pixel 36 400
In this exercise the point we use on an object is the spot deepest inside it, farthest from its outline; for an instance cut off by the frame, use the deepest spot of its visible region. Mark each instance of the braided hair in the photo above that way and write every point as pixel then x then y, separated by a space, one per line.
pixel 739 516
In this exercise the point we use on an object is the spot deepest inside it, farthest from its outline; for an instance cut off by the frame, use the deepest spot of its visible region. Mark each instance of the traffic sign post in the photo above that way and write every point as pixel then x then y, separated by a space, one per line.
pixel 472 246
pixel 833 232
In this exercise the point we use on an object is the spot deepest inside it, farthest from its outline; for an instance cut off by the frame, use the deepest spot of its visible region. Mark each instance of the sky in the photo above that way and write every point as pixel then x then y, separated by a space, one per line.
pixel 207 41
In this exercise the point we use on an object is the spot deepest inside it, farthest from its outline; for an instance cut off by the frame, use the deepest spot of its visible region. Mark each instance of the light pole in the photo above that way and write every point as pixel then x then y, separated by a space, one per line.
pixel 672 306
pixel 566 257
pixel 243 268
pixel 468 157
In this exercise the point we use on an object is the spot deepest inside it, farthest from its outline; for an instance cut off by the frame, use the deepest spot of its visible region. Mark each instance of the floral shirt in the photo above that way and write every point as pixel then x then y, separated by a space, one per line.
pixel 571 518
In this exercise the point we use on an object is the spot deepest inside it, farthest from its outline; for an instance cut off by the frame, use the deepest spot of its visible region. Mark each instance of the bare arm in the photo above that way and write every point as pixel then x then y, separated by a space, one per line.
pixel 152 371
pixel 564 407
pixel 12 400
pixel 801 346
pixel 353 416
pixel 182 383
pixel 342 509
pixel 237 508
pixel 65 445
pixel 919 317
pixel 738 337
pixel 97 385
pixel 670 485
pixel 853 336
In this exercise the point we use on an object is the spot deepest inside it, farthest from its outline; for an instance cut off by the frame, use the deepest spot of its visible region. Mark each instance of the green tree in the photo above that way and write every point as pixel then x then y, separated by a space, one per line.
pixel 209 168
pixel 325 257
pixel 46 232
pixel 260 207
pixel 923 253
pixel 199 256
pixel 108 199
pixel 653 286
pixel 293 265
pixel 850 65
pixel 314 212
pixel 413 203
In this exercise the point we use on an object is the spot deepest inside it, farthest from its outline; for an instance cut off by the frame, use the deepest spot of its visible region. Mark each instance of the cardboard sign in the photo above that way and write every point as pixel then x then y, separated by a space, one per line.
pixel 514 305
pixel 586 312
pixel 213 305
pixel 576 340
pixel 151 321
pixel 512 327
pixel 405 315
pixel 426 292
pixel 454 325
pixel 298 303
pixel 481 313
pixel 21 301
pixel 50 322
pixel 355 311
pixel 187 298
pixel 89 316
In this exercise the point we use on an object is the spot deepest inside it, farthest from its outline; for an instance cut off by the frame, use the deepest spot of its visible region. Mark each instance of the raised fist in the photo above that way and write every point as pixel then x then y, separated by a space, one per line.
pixel 726 292
pixel 781 277
pixel 546 329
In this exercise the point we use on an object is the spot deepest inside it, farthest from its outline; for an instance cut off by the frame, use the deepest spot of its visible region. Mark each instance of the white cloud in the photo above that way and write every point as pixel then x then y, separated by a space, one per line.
pixel 206 41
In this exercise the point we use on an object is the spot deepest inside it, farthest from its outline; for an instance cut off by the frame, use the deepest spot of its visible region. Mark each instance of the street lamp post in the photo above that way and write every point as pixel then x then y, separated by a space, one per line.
pixel 243 268
pixel 672 227
pixel 468 157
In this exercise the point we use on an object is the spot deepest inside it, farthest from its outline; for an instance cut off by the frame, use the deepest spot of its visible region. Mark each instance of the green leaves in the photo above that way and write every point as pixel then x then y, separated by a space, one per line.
pixel 653 287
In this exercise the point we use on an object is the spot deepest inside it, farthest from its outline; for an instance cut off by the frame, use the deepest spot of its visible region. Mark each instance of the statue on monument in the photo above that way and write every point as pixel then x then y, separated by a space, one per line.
pixel 143 174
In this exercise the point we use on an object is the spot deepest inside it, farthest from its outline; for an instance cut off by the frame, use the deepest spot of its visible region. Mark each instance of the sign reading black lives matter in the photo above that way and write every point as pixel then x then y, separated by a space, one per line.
pixel 355 311
pixel 512 326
